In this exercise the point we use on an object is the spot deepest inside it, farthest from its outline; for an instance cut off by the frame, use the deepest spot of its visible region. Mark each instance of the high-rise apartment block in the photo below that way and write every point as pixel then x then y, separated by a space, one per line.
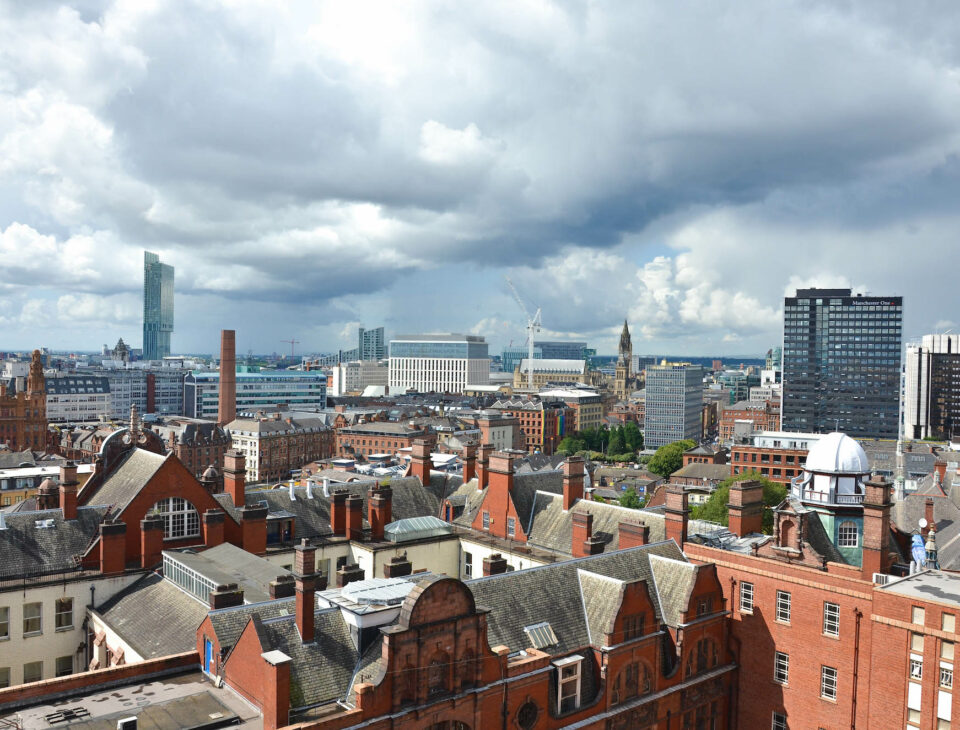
pixel 441 363
pixel 931 401
pixel 674 402
pixel 157 307
pixel 841 363
pixel 370 344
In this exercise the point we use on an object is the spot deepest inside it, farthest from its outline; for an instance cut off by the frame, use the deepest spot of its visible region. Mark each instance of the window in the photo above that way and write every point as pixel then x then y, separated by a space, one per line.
pixel 705 606
pixel 916 666
pixel 4 622
pixel 32 672
pixel 916 642
pixel 568 683
pixel 746 597
pixel 486 520
pixel 783 606
pixel 917 615
pixel 781 667
pixel 828 682
pixel 64 666
pixel 63 618
pixel 180 518
pixel 779 721
pixel 948 622
pixel 632 627
pixel 32 614
pixel 831 619
pixel 847 534
pixel 633 680
pixel 468 565
pixel 946 675
pixel 946 650
pixel 511 527
pixel 702 657
pixel 4 677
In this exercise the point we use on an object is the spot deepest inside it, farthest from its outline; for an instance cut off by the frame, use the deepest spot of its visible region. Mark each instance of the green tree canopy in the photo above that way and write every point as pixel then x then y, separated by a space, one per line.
pixel 632 436
pixel 571 445
pixel 669 457
pixel 631 499
pixel 715 508
pixel 617 445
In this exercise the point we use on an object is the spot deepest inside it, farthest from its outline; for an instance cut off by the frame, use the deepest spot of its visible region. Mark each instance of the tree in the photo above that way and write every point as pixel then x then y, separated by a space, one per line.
pixel 617 446
pixel 570 445
pixel 632 436
pixel 669 458
pixel 631 499
pixel 715 508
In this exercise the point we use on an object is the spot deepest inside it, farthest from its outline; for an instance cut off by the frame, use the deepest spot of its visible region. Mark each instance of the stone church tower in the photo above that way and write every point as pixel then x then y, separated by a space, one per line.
pixel 623 377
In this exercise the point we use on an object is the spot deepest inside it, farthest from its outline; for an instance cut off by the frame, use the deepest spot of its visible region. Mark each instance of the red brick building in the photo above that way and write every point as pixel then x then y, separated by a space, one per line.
pixel 776 464
pixel 382 437
pixel 705 454
pixel 543 425
pixel 23 415
pixel 763 417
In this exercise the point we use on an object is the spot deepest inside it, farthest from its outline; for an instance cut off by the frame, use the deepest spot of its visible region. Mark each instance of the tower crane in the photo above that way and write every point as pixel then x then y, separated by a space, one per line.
pixel 292 342
pixel 534 325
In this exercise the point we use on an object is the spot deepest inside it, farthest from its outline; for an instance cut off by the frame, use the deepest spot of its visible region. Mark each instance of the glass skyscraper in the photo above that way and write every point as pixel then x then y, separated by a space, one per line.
pixel 370 344
pixel 841 363
pixel 157 307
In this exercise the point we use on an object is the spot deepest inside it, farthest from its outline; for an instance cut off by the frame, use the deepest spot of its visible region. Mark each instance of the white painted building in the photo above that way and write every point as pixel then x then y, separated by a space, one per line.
pixel 441 363
pixel 78 399
pixel 354 377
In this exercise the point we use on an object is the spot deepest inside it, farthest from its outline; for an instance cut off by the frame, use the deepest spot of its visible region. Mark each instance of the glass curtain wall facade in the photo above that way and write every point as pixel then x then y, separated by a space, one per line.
pixel 157 307
pixel 370 344
pixel 841 363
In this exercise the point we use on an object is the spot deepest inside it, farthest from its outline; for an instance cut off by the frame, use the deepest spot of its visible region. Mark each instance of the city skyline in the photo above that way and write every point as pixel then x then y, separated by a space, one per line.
pixel 576 151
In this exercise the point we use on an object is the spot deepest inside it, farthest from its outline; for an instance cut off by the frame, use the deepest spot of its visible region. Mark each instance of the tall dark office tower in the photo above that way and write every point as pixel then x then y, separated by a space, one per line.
pixel 157 307
pixel 370 344
pixel 841 363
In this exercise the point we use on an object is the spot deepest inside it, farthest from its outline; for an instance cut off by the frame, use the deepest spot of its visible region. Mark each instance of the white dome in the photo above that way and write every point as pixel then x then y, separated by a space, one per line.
pixel 837 453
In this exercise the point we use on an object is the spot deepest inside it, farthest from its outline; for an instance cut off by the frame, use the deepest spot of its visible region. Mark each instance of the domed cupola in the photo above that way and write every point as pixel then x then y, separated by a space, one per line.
pixel 834 473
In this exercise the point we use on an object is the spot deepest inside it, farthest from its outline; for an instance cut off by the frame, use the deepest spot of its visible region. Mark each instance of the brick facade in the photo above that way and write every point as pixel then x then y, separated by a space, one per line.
pixel 23 415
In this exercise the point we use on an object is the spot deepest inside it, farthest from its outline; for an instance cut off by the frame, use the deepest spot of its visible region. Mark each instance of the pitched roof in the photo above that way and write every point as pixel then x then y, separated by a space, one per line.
pixel 674 582
pixel 553 593
pixel 229 623
pixel 601 600
pixel 154 617
pixel 31 550
pixel 127 479
pixel 552 528
pixel 697 470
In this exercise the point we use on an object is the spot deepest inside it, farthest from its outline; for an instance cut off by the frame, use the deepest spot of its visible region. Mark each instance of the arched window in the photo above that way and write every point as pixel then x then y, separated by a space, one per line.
pixel 847 534
pixel 702 657
pixel 180 518
pixel 633 680
pixel 786 533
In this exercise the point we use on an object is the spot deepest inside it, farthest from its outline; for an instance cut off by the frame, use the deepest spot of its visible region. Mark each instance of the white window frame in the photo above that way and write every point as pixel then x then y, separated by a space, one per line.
pixel 63 618
pixel 486 520
pixel 846 538
pixel 4 623
pixel 783 606
pixel 180 518
pixel 31 617
pixel 511 527
pixel 781 667
pixel 829 679
pixel 746 597
pixel 831 619
pixel 916 666
pixel 779 721
pixel 568 674
pixel 946 675
pixel 467 565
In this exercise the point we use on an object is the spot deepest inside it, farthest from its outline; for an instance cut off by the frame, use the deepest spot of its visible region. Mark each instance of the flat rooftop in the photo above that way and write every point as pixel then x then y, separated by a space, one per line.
pixel 187 700
pixel 929 585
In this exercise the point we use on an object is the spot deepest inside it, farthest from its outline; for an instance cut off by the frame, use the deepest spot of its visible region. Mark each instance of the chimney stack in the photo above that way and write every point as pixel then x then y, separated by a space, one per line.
pixel 469 462
pixel 213 527
pixel 746 508
pixel 235 476
pixel 379 510
pixel 572 481
pixel 151 541
pixel 876 527
pixel 227 410
pixel 676 514
pixel 113 547
pixel 494 564
pixel 305 574
pixel 632 534
pixel 338 512
pixel 483 466
pixel 226 595
pixel 355 517
pixel 583 541
pixel 420 461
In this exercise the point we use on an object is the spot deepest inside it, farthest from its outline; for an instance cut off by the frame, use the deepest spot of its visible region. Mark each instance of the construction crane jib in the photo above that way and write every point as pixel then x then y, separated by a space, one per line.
pixel 534 325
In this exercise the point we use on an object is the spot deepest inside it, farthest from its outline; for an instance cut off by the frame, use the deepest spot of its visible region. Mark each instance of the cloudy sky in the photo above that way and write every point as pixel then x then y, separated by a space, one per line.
pixel 310 166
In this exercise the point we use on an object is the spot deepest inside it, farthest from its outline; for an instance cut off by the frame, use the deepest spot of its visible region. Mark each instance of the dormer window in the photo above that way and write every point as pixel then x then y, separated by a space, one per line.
pixel 568 683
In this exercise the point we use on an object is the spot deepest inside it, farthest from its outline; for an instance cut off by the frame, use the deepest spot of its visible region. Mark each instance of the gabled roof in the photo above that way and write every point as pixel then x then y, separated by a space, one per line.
pixel 674 582
pixel 601 601
pixel 127 479
pixel 553 593
pixel 154 617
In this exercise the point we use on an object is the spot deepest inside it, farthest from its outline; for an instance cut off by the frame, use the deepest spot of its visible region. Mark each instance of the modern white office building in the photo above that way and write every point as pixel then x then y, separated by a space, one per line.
pixel 353 377
pixel 440 363
pixel 674 404
pixel 78 399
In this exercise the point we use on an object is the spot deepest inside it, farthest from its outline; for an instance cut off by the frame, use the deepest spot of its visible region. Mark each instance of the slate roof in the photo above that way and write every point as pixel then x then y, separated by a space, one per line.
pixel 154 617
pixel 696 470
pixel 29 550
pixel 551 528
pixel 553 593
pixel 229 623
pixel 127 479
pixel 466 501
pixel 321 671
pixel 906 516
pixel 367 668
pixel 525 488
pixel 13 459
pixel 674 581
pixel 601 600
pixel 410 499
pixel 227 563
